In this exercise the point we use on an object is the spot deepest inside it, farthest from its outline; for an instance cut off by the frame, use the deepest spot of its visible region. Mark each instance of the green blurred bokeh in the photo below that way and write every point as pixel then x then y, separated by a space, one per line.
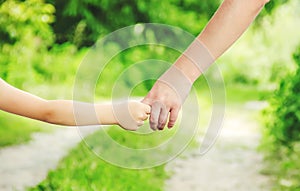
pixel 42 43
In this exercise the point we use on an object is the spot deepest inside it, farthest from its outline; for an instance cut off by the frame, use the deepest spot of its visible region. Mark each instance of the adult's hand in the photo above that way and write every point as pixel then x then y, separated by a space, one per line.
pixel 229 22
pixel 166 98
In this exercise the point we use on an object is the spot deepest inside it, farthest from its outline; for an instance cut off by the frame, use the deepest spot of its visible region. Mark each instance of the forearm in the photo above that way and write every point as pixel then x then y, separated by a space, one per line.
pixel 127 114
pixel 62 112
pixel 229 22
pixel 71 113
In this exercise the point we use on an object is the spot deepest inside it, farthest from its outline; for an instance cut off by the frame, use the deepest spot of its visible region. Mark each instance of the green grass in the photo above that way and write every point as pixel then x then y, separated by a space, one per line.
pixel 16 130
pixel 83 170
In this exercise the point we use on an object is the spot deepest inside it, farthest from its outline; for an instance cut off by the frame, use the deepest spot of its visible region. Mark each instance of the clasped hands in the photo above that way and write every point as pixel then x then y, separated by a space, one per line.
pixel 171 89
pixel 162 103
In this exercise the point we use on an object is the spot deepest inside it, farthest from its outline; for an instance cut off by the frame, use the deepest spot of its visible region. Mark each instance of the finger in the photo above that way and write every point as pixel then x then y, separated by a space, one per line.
pixel 144 117
pixel 140 123
pixel 155 111
pixel 163 117
pixel 173 117
pixel 147 109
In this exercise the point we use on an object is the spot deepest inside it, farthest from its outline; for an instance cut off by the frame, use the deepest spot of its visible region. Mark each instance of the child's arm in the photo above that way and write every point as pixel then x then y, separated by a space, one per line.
pixel 61 112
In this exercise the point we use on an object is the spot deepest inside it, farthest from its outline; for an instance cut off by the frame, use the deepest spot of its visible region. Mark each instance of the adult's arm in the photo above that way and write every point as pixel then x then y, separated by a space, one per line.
pixel 228 23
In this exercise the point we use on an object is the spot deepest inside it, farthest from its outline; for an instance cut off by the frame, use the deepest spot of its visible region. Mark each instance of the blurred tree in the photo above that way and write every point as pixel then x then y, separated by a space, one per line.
pixel 25 33
pixel 270 7
pixel 273 4
pixel 82 22
pixel 285 126
pixel 281 141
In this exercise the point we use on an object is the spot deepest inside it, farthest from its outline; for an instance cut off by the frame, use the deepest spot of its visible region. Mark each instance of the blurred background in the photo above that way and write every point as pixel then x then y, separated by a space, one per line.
pixel 43 43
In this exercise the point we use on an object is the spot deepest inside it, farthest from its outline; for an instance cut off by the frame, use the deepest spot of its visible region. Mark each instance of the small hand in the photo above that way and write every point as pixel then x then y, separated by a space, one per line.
pixel 131 114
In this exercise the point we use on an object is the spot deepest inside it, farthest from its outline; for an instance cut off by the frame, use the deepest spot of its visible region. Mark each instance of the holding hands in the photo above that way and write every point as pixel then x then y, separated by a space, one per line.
pixel 166 96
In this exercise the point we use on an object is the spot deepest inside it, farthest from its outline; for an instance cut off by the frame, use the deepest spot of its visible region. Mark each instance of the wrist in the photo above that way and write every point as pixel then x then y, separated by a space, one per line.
pixel 195 60
pixel 105 114
pixel 187 67
pixel 175 79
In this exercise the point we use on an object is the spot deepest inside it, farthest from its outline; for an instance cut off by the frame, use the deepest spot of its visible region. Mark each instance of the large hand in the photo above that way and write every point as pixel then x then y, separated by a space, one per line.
pixel 130 115
pixel 166 96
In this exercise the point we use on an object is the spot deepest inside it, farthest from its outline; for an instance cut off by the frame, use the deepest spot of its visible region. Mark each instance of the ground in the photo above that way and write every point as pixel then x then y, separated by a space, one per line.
pixel 232 164
pixel 26 165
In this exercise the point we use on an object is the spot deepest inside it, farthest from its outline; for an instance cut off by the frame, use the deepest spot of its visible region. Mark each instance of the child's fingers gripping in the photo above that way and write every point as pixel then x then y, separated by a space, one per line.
pixel 144 117
pixel 146 112
pixel 147 109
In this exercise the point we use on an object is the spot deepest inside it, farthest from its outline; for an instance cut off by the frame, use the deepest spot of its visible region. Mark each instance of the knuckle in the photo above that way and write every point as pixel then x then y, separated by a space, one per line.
pixel 142 116
pixel 163 123
pixel 176 105
pixel 152 119
pixel 172 120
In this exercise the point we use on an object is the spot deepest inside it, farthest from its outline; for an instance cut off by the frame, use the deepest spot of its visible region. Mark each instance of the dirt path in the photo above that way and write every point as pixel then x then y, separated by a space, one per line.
pixel 26 165
pixel 232 164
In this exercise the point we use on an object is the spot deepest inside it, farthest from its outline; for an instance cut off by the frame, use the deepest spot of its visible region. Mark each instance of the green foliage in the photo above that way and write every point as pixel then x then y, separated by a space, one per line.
pixel 282 136
pixel 261 57
pixel 27 54
pixel 16 131
pixel 273 4
pixel 285 127
pixel 127 58
pixel 26 20
pixel 25 33
pixel 83 22
pixel 83 170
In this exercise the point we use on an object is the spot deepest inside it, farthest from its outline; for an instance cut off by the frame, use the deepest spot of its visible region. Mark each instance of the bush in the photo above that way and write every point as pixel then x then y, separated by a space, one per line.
pixel 282 136
pixel 285 125
pixel 25 35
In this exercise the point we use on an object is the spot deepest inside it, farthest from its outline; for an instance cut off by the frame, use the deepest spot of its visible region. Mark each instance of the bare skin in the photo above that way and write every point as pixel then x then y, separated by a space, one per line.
pixel 61 112
pixel 229 22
